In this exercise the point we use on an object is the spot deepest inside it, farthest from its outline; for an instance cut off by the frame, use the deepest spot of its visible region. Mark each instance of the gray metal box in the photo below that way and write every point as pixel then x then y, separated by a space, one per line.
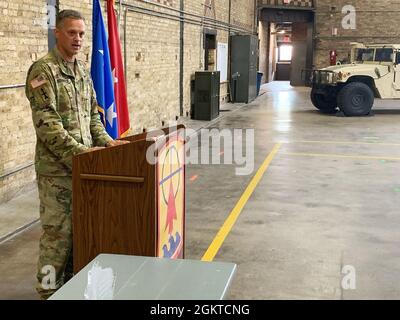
pixel 244 55
pixel 206 95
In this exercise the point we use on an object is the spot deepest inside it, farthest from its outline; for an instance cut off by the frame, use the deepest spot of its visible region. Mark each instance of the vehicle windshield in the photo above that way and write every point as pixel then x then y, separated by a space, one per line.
pixel 372 54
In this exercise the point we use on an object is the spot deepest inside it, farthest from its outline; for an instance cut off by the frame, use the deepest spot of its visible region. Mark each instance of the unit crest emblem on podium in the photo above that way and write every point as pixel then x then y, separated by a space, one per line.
pixel 171 198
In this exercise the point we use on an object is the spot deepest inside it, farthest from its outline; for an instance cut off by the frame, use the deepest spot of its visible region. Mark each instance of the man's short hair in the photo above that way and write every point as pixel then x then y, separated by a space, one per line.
pixel 68 14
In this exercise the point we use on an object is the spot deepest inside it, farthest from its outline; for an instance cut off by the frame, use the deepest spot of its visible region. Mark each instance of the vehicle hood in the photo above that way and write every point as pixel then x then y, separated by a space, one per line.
pixel 375 70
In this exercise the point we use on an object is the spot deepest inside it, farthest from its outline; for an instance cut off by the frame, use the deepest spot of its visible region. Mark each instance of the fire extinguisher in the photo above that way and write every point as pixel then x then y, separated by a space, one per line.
pixel 332 57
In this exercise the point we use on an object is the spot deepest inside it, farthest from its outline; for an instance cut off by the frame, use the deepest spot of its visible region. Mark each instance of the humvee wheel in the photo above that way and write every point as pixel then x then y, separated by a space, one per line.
pixel 355 99
pixel 325 102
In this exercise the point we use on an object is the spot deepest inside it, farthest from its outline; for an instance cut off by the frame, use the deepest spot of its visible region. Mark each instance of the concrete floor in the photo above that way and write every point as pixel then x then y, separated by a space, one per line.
pixel 329 199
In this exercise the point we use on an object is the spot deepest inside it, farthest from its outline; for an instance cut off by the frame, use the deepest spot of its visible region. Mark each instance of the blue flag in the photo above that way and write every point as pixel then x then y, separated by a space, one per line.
pixel 103 79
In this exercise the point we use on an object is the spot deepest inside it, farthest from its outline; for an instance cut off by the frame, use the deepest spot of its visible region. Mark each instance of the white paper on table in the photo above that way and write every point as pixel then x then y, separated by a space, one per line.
pixel 101 283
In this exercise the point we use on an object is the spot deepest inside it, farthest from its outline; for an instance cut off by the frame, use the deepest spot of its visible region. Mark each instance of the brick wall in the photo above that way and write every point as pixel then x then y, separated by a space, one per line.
pixel 23 37
pixel 153 56
pixel 243 13
pixel 376 22
pixel 152 68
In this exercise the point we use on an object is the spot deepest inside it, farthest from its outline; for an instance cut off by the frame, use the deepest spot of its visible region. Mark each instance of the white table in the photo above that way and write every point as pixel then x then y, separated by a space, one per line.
pixel 149 278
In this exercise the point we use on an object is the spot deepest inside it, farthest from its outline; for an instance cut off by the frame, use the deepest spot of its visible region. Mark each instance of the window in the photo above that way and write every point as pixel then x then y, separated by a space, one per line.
pixel 365 55
pixel 285 52
pixel 381 55
pixel 384 55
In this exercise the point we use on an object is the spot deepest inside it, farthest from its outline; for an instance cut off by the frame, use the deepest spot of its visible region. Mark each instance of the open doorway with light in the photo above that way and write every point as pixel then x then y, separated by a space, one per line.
pixel 286 44
pixel 284 49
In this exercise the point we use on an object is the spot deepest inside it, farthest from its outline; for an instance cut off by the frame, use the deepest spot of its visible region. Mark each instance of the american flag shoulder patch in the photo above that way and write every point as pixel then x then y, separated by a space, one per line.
pixel 38 81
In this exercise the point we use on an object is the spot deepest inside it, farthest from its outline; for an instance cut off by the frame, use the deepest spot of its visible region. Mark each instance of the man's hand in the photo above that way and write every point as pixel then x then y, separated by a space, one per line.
pixel 114 143
pixel 93 149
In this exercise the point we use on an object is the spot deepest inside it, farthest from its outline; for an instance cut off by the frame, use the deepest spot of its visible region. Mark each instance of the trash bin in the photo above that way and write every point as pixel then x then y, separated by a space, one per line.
pixel 259 77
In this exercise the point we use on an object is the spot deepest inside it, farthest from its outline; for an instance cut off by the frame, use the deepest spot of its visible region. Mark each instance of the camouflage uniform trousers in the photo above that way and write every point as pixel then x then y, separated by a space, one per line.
pixel 55 251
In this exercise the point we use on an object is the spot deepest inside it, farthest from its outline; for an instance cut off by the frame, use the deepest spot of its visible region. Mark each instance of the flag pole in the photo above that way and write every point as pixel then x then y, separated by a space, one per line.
pixel 119 16
pixel 125 48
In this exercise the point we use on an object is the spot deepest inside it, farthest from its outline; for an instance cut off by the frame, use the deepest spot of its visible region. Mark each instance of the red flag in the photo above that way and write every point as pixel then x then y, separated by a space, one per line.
pixel 117 68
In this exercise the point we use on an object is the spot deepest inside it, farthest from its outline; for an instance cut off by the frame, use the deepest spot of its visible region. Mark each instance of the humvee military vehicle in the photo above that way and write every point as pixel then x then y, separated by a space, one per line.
pixel 373 72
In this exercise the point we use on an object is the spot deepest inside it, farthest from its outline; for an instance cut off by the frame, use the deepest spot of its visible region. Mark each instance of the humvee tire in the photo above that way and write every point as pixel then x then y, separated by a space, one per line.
pixel 355 99
pixel 327 103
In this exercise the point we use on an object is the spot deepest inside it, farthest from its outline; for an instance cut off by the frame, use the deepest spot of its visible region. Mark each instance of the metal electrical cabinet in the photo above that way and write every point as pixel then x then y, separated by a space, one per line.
pixel 244 56
pixel 206 95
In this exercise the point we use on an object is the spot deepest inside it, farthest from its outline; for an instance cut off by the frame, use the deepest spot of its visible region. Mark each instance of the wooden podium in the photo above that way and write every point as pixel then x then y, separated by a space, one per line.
pixel 125 204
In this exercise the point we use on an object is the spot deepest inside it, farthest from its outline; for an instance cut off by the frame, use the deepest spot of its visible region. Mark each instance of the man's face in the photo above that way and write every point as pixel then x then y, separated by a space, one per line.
pixel 70 35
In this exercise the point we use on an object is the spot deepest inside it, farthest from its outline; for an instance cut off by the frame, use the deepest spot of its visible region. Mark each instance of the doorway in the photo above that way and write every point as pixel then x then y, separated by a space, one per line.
pixel 286 45
pixel 284 49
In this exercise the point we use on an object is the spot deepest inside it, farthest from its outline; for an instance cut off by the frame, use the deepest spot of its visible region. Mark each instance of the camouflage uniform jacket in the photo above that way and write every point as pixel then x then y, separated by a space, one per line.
pixel 64 113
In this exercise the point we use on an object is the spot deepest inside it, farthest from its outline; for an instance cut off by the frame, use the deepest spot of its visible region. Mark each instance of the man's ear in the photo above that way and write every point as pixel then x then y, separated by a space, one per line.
pixel 56 32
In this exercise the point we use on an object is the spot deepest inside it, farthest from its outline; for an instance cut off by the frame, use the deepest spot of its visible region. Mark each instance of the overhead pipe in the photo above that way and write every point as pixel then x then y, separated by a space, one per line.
pixel 229 51
pixel 255 20
pixel 188 13
pixel 179 19
pixel 125 52
pixel 207 21
pixel 181 59
pixel 201 39
pixel 119 17
pixel 11 86
pixel 16 170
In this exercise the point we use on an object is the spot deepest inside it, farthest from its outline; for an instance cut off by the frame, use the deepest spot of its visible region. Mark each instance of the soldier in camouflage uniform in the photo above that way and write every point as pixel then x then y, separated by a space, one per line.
pixel 66 119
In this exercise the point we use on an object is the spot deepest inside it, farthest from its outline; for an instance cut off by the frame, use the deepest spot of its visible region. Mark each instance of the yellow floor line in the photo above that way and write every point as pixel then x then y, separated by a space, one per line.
pixel 230 221
pixel 348 143
pixel 327 155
